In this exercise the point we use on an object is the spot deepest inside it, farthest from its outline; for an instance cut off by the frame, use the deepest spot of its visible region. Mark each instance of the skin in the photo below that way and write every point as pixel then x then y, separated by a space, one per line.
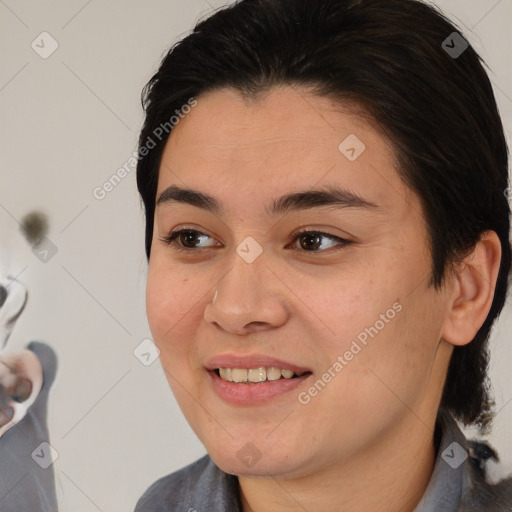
pixel 21 375
pixel 365 442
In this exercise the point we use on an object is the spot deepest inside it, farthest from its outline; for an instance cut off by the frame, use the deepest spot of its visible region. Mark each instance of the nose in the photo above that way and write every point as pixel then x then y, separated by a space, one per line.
pixel 249 298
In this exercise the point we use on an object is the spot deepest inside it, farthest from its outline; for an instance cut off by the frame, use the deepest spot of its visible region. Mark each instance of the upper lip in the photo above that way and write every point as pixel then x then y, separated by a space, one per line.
pixel 252 361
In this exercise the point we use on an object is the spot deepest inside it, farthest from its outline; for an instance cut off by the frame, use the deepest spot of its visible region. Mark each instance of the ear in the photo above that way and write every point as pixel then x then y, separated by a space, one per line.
pixel 473 291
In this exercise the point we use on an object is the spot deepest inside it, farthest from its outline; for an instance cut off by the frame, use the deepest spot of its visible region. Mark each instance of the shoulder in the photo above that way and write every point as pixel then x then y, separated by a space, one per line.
pixel 460 481
pixel 195 486
pixel 172 489
pixel 480 495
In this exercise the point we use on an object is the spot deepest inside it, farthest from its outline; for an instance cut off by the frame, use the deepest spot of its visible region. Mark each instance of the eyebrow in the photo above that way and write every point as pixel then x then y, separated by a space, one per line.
pixel 301 200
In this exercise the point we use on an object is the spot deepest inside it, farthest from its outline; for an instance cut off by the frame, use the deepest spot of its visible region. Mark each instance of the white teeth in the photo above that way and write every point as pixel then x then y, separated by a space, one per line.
pixel 273 373
pixel 257 375
pixel 254 374
pixel 238 375
pixel 225 373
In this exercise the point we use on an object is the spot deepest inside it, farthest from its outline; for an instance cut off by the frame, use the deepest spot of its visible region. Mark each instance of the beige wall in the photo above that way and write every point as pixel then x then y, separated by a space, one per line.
pixel 68 123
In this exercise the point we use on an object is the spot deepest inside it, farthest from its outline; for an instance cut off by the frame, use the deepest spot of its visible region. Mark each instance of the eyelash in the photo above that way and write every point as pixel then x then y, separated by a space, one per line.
pixel 171 240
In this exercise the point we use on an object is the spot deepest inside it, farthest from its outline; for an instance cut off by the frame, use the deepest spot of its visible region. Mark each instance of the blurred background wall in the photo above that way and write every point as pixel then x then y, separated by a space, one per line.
pixel 70 116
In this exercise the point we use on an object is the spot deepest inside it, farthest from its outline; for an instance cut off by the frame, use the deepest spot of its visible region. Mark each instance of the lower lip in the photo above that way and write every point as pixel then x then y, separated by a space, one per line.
pixel 251 394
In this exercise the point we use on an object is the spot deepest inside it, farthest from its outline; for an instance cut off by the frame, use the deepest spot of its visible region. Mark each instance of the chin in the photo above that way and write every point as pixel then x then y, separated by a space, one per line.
pixel 230 463
pixel 254 458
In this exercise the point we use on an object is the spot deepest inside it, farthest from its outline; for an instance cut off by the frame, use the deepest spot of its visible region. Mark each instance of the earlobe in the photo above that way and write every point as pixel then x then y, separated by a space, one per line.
pixel 473 290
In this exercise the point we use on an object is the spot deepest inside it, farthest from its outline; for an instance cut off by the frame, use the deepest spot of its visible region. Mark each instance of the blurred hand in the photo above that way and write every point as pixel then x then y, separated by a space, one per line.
pixel 19 371
pixel 13 386
pixel 13 298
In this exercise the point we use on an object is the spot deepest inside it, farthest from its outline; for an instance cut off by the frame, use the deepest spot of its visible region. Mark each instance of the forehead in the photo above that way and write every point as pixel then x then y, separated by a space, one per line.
pixel 285 140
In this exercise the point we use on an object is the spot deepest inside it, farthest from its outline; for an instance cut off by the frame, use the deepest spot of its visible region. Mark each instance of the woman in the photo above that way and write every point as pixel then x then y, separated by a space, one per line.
pixel 327 238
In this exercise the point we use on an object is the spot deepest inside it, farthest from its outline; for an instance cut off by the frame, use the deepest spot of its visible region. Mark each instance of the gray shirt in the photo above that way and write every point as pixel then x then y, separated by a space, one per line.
pixel 457 483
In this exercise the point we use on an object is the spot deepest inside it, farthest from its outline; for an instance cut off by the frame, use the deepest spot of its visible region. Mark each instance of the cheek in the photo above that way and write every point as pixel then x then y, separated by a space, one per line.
pixel 175 301
pixel 351 305
pixel 165 303
pixel 386 336
pixel 167 300
pixel 156 301
pixel 394 368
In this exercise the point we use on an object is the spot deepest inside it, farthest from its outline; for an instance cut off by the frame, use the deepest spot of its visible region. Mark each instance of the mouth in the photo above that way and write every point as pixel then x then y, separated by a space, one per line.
pixel 255 379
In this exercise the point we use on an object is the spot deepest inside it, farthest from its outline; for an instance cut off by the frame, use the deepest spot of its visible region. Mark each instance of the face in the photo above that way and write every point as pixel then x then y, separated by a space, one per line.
pixel 345 306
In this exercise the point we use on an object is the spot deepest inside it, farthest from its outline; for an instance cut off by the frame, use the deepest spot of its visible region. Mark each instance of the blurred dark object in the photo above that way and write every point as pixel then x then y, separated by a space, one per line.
pixel 34 227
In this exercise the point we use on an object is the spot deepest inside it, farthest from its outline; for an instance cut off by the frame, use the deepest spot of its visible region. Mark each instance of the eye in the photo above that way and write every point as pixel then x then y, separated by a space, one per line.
pixel 186 240
pixel 313 240
pixel 180 239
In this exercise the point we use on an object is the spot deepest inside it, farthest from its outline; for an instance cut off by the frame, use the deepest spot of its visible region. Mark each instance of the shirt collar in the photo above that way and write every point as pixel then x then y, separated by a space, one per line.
pixel 450 477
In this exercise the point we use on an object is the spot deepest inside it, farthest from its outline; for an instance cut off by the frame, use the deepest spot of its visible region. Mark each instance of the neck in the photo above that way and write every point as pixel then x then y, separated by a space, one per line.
pixel 391 475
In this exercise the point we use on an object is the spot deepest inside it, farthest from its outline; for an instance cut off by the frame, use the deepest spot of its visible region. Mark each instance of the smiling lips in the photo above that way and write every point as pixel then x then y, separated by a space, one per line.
pixel 254 379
